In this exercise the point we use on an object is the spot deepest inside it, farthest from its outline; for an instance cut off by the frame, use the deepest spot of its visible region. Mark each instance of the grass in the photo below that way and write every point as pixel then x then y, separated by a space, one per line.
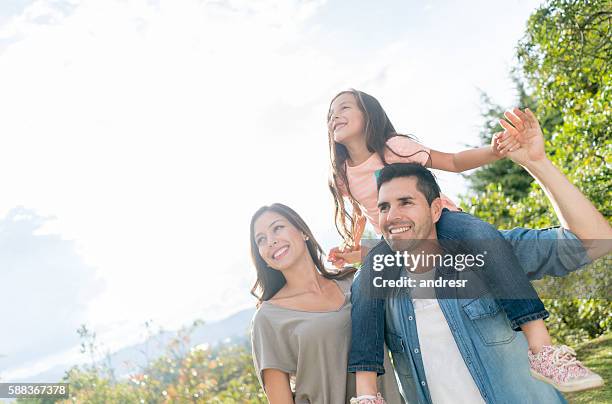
pixel 597 355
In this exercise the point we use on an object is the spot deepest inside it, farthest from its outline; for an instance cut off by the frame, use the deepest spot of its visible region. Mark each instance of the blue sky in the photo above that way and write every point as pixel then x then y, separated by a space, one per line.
pixel 139 136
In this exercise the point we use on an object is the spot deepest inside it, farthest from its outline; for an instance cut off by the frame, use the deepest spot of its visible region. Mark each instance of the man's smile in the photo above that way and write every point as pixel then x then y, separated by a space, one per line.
pixel 397 230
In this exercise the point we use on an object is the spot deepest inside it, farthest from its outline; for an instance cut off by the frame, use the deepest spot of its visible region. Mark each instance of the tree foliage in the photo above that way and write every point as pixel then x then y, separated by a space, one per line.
pixel 563 75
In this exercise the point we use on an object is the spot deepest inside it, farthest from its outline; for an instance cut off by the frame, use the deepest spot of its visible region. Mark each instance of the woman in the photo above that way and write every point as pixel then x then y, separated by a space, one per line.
pixel 301 330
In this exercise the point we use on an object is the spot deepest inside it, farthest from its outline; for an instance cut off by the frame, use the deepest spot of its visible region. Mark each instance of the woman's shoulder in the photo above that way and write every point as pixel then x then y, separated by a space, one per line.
pixel 262 315
pixel 345 282
pixel 266 332
pixel 266 321
pixel 271 313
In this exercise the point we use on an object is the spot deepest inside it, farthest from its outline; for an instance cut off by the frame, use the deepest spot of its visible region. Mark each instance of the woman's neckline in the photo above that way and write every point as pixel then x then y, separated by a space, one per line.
pixel 346 300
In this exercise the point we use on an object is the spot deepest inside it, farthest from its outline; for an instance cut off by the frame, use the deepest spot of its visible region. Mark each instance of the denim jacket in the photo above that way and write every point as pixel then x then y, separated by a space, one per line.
pixel 495 355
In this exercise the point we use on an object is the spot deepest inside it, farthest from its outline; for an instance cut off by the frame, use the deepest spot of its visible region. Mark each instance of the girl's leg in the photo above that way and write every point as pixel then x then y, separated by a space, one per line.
pixel 556 365
pixel 502 271
pixel 366 383
pixel 536 334
pixel 367 319
pixel 367 353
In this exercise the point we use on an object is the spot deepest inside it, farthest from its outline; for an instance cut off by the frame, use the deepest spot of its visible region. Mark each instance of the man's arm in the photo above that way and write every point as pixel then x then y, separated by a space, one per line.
pixel 575 212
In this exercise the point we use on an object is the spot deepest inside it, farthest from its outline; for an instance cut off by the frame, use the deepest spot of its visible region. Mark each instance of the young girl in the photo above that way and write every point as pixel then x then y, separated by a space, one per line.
pixel 362 140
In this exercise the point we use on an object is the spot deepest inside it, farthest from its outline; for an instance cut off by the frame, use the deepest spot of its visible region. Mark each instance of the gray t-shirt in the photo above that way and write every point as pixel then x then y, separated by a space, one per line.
pixel 312 347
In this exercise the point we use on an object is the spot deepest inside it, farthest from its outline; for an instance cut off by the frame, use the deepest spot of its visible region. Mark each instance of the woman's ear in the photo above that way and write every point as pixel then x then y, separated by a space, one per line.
pixel 305 237
pixel 436 209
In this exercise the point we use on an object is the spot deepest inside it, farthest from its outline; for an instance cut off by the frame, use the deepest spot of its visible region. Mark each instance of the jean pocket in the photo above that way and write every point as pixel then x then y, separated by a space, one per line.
pixel 489 320
pixel 399 353
pixel 395 342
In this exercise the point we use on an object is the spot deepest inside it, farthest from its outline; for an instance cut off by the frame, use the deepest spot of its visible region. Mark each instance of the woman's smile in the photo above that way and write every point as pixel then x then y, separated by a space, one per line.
pixel 280 253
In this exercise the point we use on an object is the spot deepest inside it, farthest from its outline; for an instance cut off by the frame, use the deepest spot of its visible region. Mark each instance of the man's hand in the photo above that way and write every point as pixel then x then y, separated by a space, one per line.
pixel 524 127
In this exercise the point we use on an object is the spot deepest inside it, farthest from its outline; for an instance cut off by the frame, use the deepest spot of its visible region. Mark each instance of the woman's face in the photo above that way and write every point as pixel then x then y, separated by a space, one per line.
pixel 346 121
pixel 279 243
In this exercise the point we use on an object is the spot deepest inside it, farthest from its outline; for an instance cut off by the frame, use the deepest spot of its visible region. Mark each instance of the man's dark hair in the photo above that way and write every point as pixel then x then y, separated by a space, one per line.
pixel 426 182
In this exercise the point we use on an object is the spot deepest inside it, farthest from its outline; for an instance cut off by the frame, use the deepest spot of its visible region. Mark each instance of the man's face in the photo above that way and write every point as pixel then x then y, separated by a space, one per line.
pixel 404 216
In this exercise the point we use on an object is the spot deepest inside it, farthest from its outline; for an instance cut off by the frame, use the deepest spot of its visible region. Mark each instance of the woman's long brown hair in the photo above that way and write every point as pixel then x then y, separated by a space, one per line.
pixel 270 281
pixel 378 130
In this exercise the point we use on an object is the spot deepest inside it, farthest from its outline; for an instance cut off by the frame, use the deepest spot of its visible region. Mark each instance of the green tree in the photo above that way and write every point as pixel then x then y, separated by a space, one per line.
pixel 515 181
pixel 563 75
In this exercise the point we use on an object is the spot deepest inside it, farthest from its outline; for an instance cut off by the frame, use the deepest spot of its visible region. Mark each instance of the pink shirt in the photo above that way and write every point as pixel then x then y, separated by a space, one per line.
pixel 362 180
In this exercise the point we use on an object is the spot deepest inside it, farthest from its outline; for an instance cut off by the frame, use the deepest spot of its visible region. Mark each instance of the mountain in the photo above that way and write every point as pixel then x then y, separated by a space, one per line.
pixel 233 329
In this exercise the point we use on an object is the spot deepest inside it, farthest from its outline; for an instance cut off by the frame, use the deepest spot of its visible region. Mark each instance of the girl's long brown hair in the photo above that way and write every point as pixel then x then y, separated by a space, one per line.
pixel 378 130
pixel 270 281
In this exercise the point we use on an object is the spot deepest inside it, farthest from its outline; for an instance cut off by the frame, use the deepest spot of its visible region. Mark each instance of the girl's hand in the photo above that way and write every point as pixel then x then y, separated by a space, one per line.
pixel 502 143
pixel 525 128
pixel 340 257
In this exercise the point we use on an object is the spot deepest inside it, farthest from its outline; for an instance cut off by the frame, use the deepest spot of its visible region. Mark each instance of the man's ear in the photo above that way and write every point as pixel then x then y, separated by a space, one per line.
pixel 436 209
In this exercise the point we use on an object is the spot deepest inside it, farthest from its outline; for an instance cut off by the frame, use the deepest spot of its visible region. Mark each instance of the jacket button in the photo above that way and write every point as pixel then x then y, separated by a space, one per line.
pixel 423 383
pixel 410 318
pixel 416 350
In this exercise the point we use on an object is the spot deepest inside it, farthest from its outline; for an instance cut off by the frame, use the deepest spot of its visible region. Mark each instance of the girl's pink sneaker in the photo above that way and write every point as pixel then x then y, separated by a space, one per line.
pixel 368 400
pixel 557 365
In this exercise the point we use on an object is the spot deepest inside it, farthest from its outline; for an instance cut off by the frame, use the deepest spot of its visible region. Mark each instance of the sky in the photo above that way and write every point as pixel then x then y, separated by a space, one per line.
pixel 139 136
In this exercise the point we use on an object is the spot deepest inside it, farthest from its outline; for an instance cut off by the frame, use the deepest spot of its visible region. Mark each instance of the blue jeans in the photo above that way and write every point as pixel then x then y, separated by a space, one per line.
pixel 503 272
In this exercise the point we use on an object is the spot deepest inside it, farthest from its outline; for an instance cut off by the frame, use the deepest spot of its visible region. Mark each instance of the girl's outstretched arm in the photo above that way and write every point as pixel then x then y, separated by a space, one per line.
pixel 501 143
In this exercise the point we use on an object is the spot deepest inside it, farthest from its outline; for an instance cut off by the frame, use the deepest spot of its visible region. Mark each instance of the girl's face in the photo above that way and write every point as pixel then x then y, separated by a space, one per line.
pixel 279 243
pixel 346 121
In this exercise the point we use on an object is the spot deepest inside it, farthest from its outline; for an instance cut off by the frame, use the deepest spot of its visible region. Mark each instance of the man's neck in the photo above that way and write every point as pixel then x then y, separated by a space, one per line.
pixel 420 261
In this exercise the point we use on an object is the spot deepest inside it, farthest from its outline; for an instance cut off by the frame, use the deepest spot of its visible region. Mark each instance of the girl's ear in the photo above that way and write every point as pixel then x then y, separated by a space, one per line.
pixel 305 237
pixel 436 209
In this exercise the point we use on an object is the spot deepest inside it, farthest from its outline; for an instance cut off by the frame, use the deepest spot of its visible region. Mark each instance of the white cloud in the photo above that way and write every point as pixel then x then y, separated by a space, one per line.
pixel 139 125
pixel 153 129
pixel 44 292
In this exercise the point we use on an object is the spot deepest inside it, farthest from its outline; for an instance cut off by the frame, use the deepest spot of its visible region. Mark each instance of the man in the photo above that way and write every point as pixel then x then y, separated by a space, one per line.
pixel 463 350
